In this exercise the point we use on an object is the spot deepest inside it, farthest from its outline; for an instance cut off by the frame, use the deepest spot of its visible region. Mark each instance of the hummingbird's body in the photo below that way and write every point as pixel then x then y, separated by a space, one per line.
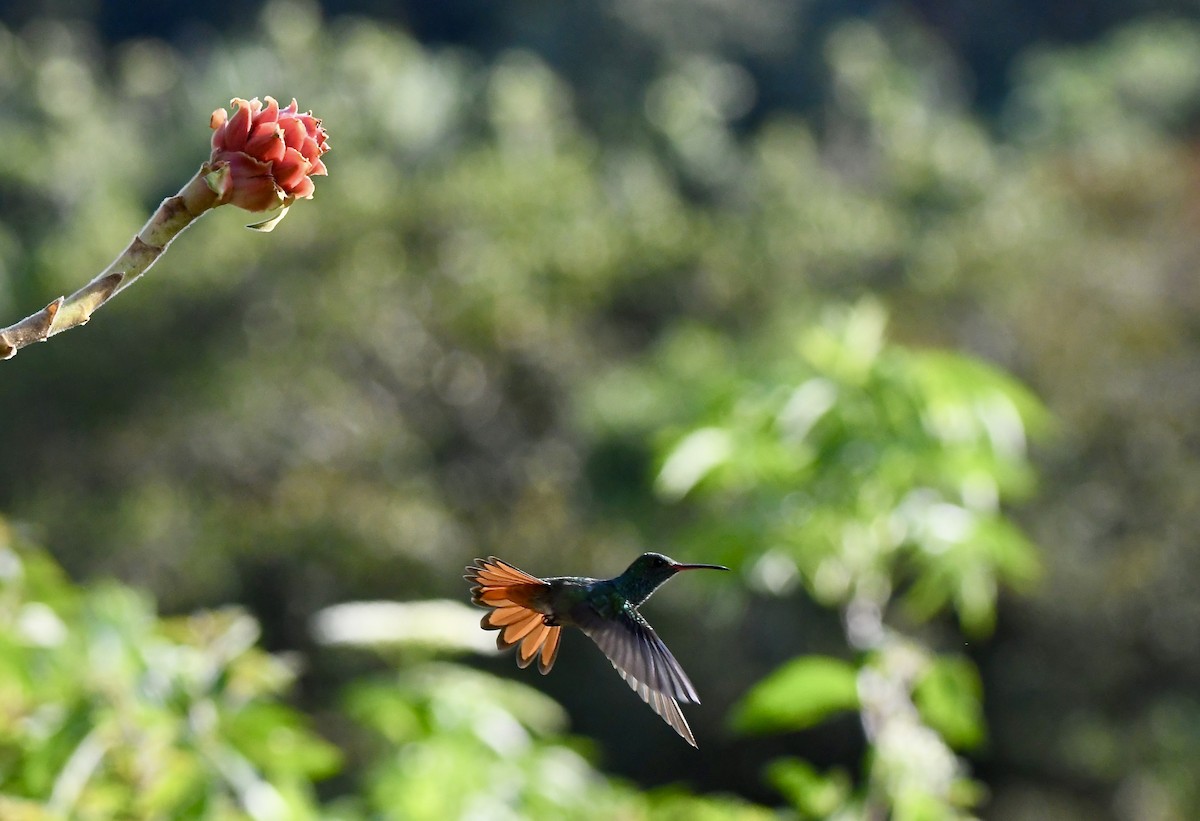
pixel 531 612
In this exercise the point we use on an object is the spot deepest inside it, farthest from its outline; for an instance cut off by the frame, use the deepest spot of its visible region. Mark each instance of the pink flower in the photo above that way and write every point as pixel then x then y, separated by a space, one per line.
pixel 270 154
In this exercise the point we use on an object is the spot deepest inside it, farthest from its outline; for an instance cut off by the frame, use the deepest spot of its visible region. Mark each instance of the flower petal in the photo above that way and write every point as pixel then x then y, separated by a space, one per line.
pixel 303 190
pixel 269 114
pixel 251 184
pixel 291 170
pixel 294 133
pixel 231 136
pixel 265 142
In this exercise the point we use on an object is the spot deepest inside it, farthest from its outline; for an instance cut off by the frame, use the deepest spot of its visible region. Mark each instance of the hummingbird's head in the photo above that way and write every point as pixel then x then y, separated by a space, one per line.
pixel 650 570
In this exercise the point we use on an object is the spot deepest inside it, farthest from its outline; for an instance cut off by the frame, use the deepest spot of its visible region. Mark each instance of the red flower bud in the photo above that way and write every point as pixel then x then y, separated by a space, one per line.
pixel 268 154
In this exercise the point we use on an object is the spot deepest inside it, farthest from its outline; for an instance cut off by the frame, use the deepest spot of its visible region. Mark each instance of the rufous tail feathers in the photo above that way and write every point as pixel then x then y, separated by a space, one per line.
pixel 511 593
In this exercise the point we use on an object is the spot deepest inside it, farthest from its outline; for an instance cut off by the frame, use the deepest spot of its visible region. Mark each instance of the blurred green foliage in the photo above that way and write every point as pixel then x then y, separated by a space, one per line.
pixel 464 744
pixel 110 712
pixel 868 472
pixel 863 468
pixel 492 332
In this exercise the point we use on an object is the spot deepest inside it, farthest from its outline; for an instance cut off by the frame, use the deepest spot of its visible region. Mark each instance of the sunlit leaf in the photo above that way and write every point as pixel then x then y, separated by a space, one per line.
pixel 814 795
pixel 950 698
pixel 674 805
pixel 692 459
pixel 274 737
pixel 802 693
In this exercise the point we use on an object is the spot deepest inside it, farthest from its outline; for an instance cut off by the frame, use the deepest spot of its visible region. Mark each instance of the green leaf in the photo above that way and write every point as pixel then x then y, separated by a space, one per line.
pixel 916 804
pixel 382 707
pixel 676 805
pixel 697 455
pixel 802 693
pixel 812 794
pixel 13 808
pixel 950 699
pixel 275 738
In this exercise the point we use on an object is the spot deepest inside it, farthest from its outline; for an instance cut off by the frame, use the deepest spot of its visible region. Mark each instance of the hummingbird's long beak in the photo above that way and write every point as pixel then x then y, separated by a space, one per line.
pixel 682 566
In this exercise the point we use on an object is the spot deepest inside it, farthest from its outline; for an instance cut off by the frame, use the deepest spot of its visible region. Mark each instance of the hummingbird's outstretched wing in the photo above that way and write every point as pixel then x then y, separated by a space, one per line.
pixel 636 651
pixel 513 596
pixel 645 663
pixel 664 705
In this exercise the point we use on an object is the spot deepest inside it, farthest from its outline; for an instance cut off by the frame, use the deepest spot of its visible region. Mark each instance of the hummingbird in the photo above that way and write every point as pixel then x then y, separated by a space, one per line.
pixel 531 612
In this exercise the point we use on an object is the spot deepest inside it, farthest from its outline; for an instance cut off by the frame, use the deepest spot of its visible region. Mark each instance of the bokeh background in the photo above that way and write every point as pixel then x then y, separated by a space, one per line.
pixel 776 284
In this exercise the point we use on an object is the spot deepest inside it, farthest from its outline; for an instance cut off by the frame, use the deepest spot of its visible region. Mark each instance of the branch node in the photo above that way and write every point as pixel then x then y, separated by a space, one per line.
pixel 52 311
pixel 33 328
